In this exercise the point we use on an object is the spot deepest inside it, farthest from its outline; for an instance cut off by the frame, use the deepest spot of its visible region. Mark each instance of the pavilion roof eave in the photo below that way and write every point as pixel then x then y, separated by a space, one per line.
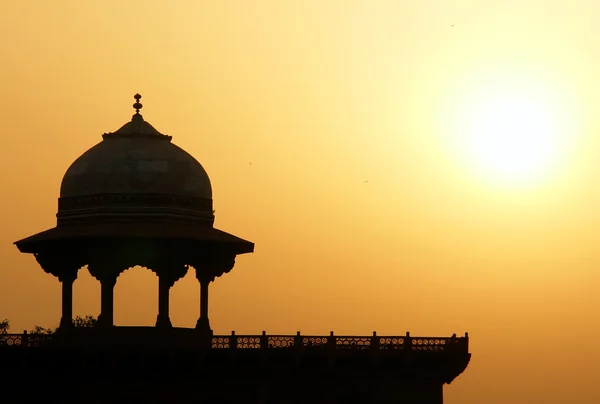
pixel 177 231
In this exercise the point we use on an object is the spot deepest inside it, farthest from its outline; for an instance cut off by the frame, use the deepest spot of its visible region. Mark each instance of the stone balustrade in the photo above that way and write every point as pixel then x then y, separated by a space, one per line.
pixel 298 341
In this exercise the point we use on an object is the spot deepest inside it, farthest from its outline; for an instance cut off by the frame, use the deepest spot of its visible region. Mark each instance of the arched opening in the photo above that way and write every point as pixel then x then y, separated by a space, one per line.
pixel 136 298
pixel 185 301
pixel 86 294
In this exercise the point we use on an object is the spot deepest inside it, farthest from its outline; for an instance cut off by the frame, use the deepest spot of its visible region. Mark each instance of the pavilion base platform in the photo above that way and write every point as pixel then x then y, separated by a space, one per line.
pixel 153 365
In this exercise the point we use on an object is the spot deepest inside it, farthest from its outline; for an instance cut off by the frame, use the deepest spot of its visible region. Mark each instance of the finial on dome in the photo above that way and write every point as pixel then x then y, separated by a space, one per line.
pixel 137 104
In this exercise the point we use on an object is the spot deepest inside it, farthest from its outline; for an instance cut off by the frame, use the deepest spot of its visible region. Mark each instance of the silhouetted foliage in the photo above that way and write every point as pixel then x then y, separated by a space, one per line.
pixel 85 322
pixel 4 326
pixel 37 330
pixel 79 322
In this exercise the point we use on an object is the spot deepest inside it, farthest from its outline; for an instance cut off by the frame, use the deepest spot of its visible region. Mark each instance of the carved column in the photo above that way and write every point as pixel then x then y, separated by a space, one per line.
pixel 164 285
pixel 169 270
pixel 207 269
pixel 203 324
pixel 64 265
pixel 105 268
pixel 66 320
pixel 107 291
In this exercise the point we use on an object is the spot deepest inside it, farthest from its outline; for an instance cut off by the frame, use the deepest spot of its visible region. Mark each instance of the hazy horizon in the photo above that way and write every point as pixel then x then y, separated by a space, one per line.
pixel 369 206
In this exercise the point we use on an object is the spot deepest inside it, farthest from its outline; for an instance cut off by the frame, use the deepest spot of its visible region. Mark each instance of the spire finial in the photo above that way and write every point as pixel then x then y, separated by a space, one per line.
pixel 137 104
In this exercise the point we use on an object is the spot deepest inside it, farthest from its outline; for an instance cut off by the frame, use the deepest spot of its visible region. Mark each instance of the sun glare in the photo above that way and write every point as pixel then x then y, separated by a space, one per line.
pixel 511 133
pixel 513 139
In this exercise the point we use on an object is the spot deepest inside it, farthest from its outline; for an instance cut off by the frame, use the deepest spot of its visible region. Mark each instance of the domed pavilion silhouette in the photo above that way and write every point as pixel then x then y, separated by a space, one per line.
pixel 136 199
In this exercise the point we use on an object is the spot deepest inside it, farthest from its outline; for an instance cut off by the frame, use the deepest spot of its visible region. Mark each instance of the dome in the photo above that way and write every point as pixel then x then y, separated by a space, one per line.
pixel 135 164
pixel 135 167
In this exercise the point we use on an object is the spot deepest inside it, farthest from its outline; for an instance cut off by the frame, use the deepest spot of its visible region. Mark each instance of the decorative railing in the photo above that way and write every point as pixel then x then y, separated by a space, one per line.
pixel 25 339
pixel 404 343
pixel 298 341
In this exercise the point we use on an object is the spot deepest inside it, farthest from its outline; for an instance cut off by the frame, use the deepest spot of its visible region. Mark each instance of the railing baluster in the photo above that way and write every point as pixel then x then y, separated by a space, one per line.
pixel 233 340
pixel 331 341
pixel 375 342
pixel 264 341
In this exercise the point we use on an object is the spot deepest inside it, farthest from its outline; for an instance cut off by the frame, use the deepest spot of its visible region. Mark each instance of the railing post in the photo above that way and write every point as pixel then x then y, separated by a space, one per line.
pixel 407 349
pixel 233 340
pixel 375 350
pixel 264 345
pixel 233 346
pixel 407 342
pixel 453 343
pixel 264 340
pixel 331 341
pixel 375 341
pixel 331 348
pixel 25 339
pixel 298 348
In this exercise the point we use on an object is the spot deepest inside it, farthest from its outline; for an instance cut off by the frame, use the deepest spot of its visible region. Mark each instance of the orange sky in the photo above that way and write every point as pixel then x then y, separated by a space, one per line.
pixel 322 96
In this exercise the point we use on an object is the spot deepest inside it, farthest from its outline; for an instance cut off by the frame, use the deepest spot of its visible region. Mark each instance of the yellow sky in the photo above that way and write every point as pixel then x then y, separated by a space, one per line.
pixel 322 96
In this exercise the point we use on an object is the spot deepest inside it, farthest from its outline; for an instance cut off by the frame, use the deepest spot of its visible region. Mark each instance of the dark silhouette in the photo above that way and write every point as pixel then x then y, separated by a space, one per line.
pixel 137 199
pixel 78 322
pixel 85 322
pixel 4 326
pixel 38 330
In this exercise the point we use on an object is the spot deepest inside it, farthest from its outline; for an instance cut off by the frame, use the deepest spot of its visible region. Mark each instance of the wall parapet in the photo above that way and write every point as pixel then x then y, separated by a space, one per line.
pixel 297 342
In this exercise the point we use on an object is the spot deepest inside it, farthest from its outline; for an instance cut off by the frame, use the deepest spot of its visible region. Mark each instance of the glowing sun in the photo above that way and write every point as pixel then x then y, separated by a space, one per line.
pixel 512 139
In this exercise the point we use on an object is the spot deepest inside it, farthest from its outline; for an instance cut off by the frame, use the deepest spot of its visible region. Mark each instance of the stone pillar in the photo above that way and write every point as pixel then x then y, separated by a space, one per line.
pixel 163 320
pixel 207 268
pixel 64 265
pixel 203 323
pixel 106 317
pixel 66 320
